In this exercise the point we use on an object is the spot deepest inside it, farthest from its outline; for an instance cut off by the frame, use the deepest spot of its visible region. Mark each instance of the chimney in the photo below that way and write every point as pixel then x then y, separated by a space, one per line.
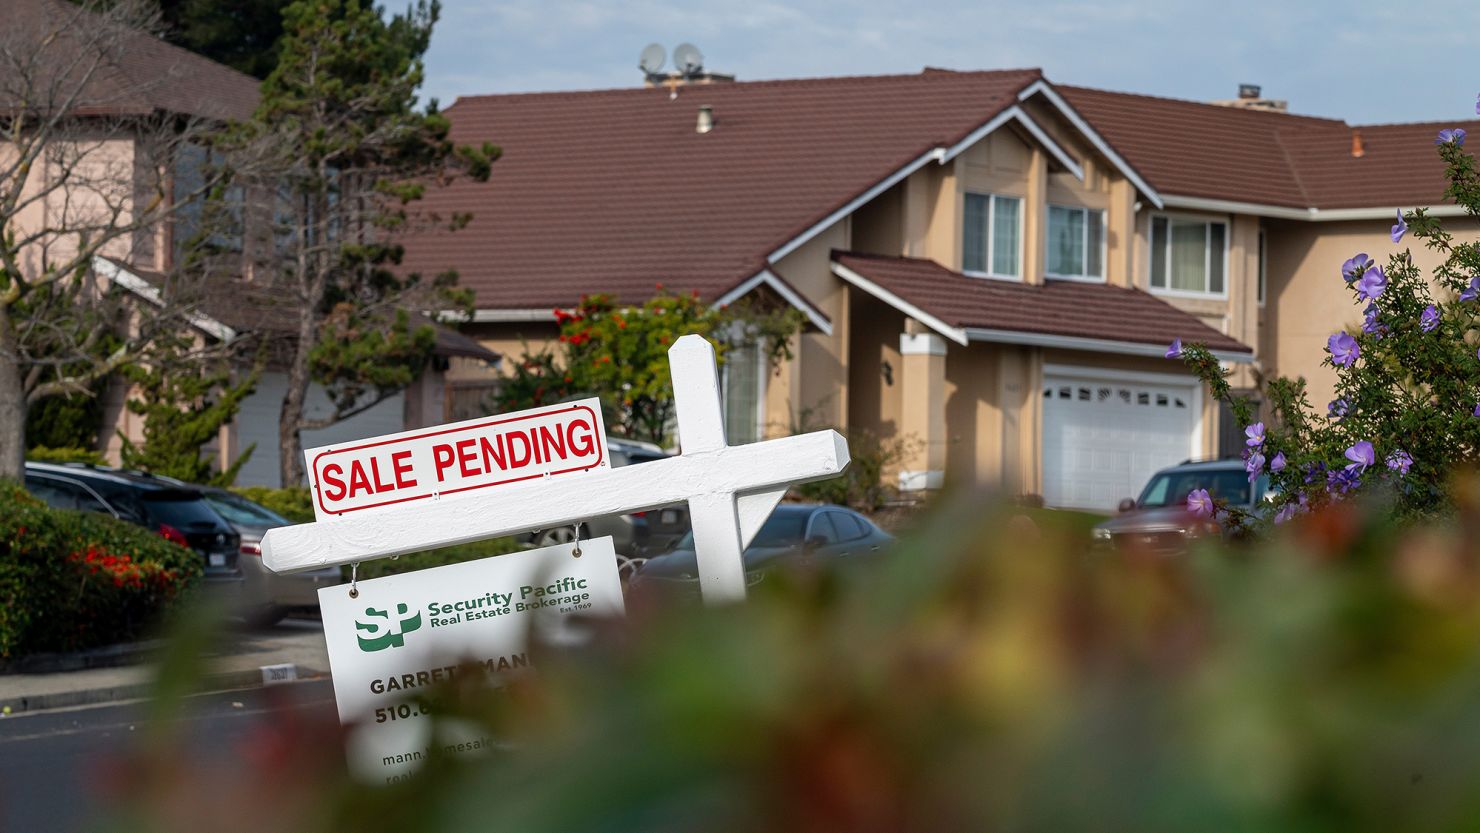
pixel 1357 150
pixel 1251 97
pixel 706 119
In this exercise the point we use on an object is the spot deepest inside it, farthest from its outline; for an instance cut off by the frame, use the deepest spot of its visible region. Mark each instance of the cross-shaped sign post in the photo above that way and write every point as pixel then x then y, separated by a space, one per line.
pixel 730 490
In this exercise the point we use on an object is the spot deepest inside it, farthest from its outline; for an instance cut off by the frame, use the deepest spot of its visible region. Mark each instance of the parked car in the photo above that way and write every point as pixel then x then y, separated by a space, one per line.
pixel 1158 520
pixel 795 535
pixel 179 513
pixel 636 534
pixel 267 596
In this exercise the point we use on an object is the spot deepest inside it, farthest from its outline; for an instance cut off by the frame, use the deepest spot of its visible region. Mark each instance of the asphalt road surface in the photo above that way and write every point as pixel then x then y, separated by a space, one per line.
pixel 50 761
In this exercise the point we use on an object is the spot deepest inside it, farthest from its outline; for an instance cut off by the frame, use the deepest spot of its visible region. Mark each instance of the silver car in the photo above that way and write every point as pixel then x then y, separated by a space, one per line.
pixel 266 596
pixel 1158 520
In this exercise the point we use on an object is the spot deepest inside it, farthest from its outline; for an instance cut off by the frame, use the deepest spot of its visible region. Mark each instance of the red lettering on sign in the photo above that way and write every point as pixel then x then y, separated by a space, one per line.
pixel 586 438
pixel 331 477
pixel 442 457
pixel 518 459
pixel 375 480
pixel 401 463
pixel 465 455
pixel 358 482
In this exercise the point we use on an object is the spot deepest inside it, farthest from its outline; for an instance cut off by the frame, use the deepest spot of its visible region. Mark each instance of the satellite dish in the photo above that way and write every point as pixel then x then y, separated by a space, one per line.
pixel 687 58
pixel 652 59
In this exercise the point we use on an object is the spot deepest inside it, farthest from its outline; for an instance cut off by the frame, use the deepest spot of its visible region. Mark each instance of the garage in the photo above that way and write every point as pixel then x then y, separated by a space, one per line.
pixel 1105 434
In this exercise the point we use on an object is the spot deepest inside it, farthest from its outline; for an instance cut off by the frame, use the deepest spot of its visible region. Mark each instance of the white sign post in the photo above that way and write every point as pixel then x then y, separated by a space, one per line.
pixel 730 490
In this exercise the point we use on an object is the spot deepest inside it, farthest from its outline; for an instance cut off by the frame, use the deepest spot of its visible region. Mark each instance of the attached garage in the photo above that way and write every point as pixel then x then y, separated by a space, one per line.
pixel 1106 433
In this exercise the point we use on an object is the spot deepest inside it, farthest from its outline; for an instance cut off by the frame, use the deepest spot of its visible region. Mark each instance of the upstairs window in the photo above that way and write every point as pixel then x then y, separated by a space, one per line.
pixel 1076 243
pixel 1188 255
pixel 991 240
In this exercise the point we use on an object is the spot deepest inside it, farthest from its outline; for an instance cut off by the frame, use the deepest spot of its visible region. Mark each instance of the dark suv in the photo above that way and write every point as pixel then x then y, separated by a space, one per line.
pixel 178 513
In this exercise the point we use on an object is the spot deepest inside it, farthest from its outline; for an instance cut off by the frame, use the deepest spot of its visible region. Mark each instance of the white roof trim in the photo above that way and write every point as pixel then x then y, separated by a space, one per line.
pixel 941 155
pixel 1099 345
pixel 825 223
pixel 1310 214
pixel 780 287
pixel 1042 86
pixel 1015 113
pixel 133 283
pixel 953 333
pixel 495 316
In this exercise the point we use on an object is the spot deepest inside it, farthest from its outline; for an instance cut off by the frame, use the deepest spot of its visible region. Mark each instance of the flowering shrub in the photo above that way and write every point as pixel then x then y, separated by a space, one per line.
pixel 621 354
pixel 73 580
pixel 1407 406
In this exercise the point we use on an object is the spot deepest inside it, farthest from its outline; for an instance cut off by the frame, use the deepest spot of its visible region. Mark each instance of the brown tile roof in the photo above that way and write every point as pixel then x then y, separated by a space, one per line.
pixel 1057 308
pixel 138 73
pixel 614 191
pixel 1192 149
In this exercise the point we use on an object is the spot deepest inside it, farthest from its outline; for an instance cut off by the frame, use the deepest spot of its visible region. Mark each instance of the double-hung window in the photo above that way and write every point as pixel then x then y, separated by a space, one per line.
pixel 1076 243
pixel 1188 255
pixel 991 240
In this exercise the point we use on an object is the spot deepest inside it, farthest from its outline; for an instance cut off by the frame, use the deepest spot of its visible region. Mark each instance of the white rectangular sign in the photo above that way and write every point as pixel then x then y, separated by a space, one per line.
pixel 406 633
pixel 395 469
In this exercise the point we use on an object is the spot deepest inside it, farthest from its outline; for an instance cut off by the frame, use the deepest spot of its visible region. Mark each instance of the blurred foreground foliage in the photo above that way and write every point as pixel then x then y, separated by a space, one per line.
pixel 992 674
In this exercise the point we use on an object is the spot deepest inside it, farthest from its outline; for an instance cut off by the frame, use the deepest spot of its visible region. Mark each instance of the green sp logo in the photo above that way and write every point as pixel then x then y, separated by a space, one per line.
pixel 384 631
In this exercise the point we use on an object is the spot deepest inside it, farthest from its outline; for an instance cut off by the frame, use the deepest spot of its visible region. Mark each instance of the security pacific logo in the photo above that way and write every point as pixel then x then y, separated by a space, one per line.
pixel 382 630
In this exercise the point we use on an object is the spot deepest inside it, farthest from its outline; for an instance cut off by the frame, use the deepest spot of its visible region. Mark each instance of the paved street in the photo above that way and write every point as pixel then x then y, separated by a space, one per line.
pixel 49 760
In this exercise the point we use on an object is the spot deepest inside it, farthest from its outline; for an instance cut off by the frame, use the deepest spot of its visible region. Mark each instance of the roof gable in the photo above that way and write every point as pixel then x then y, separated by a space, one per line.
pixel 616 189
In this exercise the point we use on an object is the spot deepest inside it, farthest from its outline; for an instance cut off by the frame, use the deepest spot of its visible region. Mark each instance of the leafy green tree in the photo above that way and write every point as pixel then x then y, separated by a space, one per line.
pixel 343 143
pixel 184 406
pixel 1407 410
pixel 621 354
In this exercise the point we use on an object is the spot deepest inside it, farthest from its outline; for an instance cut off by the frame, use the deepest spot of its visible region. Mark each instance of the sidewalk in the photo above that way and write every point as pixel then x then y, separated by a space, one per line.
pixel 293 649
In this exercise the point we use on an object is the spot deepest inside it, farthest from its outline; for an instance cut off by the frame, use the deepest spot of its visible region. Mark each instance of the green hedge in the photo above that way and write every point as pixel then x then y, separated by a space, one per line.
pixel 42 454
pixel 293 504
pixel 75 580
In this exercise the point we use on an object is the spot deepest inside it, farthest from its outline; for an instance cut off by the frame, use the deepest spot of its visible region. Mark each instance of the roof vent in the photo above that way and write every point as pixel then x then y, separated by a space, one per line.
pixel 1357 150
pixel 706 119
pixel 1248 91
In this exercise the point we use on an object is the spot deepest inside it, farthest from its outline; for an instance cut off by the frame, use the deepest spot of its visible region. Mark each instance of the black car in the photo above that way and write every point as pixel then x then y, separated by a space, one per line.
pixel 179 513
pixel 794 535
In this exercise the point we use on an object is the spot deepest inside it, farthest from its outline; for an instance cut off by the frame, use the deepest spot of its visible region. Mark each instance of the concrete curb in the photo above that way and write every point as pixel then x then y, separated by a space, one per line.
pixel 109 656
pixel 219 681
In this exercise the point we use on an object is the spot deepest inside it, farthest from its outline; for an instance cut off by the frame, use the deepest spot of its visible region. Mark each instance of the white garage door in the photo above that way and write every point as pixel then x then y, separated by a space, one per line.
pixel 257 422
pixel 1103 438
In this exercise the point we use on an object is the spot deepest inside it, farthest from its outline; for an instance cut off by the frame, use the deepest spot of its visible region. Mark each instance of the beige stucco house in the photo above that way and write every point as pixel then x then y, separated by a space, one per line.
pixel 990 265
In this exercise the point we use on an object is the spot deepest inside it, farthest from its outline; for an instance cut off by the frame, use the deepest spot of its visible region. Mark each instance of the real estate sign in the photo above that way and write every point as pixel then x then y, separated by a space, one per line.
pixel 461 457
pixel 402 635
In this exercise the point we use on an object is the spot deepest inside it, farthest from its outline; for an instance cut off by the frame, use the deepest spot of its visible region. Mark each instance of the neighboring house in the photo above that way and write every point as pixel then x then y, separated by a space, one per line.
pixel 140 77
pixel 989 264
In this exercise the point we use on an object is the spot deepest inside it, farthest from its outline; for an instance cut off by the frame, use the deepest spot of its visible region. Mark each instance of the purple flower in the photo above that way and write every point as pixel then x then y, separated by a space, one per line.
pixel 1255 434
pixel 1344 350
pixel 1254 464
pixel 1430 318
pixel 1278 463
pixel 1477 410
pixel 1355 266
pixel 1200 503
pixel 1454 134
pixel 1399 229
pixel 1399 461
pixel 1370 324
pixel 1314 472
pixel 1338 408
pixel 1174 351
pixel 1285 514
pixel 1477 105
pixel 1473 292
pixel 1361 454
pixel 1372 284
pixel 1341 481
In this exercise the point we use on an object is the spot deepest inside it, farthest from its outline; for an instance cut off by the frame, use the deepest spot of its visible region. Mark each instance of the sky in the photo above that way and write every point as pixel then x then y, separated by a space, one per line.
pixel 1363 61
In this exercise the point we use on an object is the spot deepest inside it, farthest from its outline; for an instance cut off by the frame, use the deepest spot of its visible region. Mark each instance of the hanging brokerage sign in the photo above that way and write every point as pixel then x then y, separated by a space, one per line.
pixel 404 634
pixel 396 469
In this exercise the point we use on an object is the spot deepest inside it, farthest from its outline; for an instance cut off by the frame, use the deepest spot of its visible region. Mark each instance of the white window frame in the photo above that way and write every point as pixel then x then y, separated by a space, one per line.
pixel 992 198
pixel 1104 242
pixel 1207 255
pixel 1263 268
pixel 763 371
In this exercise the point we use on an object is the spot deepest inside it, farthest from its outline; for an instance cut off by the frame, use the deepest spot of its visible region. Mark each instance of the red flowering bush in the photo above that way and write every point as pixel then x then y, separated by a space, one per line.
pixel 74 580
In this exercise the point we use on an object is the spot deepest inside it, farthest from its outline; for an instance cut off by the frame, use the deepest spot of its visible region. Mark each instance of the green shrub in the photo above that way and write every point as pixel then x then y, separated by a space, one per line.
pixel 73 580
pixel 862 485
pixel 43 454
pixel 295 503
